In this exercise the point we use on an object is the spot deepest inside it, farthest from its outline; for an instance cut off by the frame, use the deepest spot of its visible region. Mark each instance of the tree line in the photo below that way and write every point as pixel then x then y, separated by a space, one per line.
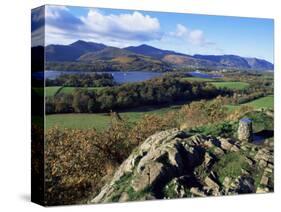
pixel 158 91
pixel 83 80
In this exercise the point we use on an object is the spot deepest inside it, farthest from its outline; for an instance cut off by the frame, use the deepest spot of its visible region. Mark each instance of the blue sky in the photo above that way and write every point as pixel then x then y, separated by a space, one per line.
pixel 186 33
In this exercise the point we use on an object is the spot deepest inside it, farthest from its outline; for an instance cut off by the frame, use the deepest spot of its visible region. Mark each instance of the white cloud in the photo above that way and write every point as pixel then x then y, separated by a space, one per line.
pixel 54 12
pixel 129 23
pixel 194 36
pixel 181 31
pixel 62 27
pixel 134 26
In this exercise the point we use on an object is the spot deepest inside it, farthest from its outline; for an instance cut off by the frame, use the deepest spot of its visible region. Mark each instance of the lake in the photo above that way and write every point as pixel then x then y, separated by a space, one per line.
pixel 119 77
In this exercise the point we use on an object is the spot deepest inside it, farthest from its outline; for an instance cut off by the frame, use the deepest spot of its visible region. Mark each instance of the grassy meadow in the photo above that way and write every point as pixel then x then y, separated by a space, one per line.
pixel 231 85
pixel 263 102
pixel 53 90
pixel 100 120
pixel 199 79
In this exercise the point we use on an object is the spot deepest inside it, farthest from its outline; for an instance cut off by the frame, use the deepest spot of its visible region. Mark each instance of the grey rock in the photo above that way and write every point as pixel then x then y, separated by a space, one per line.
pixel 208 160
pixel 262 163
pixel 268 170
pixel 249 161
pixel 227 182
pixel 245 130
pixel 211 183
pixel 262 190
pixel 264 180
pixel 226 144
pixel 195 191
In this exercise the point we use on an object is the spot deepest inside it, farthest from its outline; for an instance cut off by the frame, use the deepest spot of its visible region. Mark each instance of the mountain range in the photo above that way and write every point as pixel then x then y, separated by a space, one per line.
pixel 145 57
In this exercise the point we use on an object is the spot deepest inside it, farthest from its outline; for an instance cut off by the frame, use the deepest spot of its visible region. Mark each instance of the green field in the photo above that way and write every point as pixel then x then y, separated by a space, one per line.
pixel 231 85
pixel 263 102
pixel 221 84
pixel 199 79
pixel 51 91
pixel 99 120
pixel 78 121
pixel 71 89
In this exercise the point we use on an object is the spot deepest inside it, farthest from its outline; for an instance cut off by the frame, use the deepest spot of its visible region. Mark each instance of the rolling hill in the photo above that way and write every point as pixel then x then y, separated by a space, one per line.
pixel 71 52
pixel 145 57
pixel 151 51
pixel 122 59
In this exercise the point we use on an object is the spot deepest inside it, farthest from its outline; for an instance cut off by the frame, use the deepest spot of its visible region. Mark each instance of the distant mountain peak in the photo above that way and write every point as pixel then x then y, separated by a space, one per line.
pixel 78 42
pixel 71 52
pixel 147 46
pixel 150 51
pixel 87 44
pixel 83 50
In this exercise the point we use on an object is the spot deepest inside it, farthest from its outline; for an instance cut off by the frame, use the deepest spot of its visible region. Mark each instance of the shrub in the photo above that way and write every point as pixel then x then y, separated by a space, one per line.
pixel 203 112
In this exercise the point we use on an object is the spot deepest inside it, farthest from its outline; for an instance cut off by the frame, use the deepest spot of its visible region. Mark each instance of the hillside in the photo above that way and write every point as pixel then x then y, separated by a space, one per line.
pixel 184 60
pixel 121 59
pixel 71 52
pixel 151 51
pixel 90 52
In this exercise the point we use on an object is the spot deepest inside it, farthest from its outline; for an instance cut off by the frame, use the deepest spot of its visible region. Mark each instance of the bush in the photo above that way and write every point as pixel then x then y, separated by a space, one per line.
pixel 202 113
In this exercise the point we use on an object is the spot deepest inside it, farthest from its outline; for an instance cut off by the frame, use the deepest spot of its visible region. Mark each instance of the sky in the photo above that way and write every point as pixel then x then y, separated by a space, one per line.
pixel 185 33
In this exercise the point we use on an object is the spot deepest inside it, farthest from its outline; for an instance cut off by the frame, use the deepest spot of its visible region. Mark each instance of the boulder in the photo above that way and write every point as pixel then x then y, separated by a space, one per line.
pixel 226 144
pixel 211 183
pixel 195 191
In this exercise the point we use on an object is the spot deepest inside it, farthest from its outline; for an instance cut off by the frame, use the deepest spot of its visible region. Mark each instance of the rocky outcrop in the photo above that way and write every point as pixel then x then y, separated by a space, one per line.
pixel 174 164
